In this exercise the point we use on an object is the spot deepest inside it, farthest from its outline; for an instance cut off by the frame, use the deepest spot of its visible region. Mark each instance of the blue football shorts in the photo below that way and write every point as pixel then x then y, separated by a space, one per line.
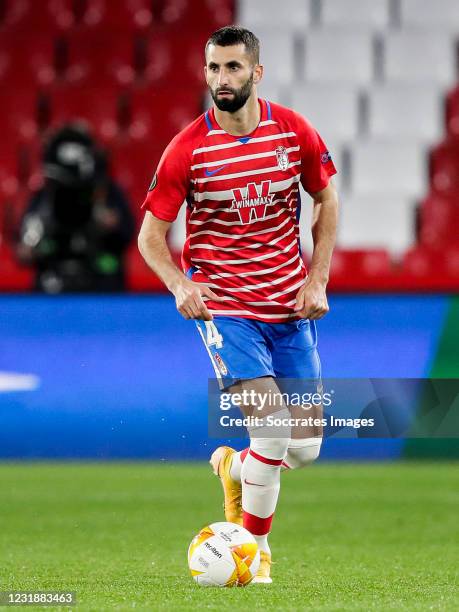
pixel 242 349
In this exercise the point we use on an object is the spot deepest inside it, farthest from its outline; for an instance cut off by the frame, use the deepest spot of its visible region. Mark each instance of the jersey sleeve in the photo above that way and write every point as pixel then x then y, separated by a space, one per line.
pixel 171 183
pixel 316 163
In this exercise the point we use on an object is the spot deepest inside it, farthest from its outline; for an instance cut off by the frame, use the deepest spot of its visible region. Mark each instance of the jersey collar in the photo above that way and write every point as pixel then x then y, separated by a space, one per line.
pixel 265 115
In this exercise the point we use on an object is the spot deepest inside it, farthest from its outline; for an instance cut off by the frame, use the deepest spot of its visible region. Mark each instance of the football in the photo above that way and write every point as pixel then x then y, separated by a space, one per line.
pixel 223 555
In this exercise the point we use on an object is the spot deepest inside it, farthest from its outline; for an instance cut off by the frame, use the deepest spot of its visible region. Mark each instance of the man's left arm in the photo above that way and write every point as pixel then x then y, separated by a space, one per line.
pixel 311 299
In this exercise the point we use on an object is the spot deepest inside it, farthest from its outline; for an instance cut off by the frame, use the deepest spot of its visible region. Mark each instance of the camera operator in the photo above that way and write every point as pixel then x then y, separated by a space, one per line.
pixel 78 225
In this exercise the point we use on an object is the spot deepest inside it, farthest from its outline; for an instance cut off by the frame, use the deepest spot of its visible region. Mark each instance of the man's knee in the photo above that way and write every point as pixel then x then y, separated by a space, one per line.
pixel 302 452
pixel 270 448
pixel 271 439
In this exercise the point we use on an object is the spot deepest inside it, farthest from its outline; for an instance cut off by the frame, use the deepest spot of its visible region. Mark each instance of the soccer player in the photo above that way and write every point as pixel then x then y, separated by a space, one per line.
pixel 244 282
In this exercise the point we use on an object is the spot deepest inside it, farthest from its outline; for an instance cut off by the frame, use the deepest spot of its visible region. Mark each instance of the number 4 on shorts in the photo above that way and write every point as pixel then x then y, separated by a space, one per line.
pixel 213 336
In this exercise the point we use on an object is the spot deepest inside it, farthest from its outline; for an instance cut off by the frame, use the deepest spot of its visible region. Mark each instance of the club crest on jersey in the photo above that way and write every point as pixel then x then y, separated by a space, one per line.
pixel 251 202
pixel 282 158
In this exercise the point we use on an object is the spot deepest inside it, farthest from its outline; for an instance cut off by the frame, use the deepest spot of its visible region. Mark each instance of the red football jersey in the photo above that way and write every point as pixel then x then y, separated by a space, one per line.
pixel 243 206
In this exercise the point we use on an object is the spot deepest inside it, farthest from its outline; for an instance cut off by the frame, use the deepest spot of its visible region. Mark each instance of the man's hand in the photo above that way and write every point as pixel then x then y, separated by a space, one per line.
pixel 188 295
pixel 311 300
pixel 188 298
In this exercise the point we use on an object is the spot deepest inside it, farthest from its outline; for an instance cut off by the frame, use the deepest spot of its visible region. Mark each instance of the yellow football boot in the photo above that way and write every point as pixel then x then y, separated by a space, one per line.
pixel 221 464
pixel 264 571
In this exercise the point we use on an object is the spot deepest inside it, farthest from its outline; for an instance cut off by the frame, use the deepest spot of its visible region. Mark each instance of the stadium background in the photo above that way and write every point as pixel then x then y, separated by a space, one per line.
pixel 88 381
pixel 88 376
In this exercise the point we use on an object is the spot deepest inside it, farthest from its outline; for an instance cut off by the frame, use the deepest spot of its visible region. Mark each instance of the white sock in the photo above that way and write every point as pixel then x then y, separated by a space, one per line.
pixel 262 542
pixel 260 487
pixel 236 465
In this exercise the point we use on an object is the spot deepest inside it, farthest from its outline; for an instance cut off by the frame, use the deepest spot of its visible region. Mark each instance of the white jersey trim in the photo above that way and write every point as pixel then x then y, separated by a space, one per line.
pixel 261 124
pixel 292 203
pixel 228 193
pixel 237 236
pixel 251 288
pixel 226 177
pixel 240 158
pixel 248 312
pixel 256 272
pixel 232 223
pixel 255 245
pixel 235 262
pixel 297 285
pixel 238 143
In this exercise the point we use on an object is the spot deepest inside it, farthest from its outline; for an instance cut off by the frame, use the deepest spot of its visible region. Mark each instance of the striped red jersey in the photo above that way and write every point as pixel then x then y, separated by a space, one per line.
pixel 243 206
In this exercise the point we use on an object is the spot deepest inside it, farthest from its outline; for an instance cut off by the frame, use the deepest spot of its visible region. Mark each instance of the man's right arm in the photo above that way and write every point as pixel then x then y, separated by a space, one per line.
pixel 154 249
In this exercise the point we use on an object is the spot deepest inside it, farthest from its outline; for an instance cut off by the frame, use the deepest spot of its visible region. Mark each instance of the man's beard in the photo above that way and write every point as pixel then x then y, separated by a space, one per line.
pixel 240 97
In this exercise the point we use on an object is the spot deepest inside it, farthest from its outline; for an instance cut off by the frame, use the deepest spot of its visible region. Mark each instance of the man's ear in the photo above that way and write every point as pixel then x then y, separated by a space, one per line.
pixel 257 73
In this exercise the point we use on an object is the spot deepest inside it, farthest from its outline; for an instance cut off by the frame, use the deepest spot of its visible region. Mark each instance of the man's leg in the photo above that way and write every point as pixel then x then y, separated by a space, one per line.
pixel 260 470
pixel 238 351
pixel 306 441
pixel 301 452
pixel 236 464
pixel 297 366
pixel 303 449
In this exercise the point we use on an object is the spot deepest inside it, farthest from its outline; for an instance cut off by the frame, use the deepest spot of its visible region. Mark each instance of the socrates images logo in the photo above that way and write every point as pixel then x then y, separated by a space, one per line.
pixel 251 202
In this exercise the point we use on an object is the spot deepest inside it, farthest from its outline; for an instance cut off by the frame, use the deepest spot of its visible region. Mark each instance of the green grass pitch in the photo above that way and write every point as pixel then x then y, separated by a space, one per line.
pixel 346 537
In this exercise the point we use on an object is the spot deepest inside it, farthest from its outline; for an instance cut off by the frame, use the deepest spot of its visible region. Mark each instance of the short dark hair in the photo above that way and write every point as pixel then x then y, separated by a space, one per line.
pixel 236 35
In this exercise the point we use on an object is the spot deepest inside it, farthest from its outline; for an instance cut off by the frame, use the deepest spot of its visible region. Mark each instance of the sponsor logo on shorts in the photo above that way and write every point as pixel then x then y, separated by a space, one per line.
pixel 221 364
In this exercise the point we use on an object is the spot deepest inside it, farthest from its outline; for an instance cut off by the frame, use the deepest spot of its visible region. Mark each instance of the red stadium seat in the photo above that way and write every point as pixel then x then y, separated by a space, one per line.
pixel 133 164
pixel 26 61
pixel 176 58
pixel 445 168
pixel 452 112
pixel 100 56
pixel 420 262
pixel 157 114
pixel 13 276
pixel 423 262
pixel 32 16
pixel 18 115
pixel 31 156
pixel 118 14
pixel 439 218
pixel 19 129
pixel 205 15
pixel 139 277
pixel 9 171
pixel 13 212
pixel 366 263
pixel 451 257
pixel 98 108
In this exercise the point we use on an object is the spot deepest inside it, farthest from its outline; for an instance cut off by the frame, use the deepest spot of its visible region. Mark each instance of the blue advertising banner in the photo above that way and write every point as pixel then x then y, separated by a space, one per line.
pixel 126 376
